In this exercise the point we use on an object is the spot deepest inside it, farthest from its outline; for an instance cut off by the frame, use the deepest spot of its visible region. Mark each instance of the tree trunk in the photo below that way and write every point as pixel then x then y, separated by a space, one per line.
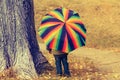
pixel 18 44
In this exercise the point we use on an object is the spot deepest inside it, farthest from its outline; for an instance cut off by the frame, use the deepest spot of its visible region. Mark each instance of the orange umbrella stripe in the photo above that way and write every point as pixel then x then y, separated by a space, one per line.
pixel 49 24
pixel 52 33
pixel 73 26
pixel 55 15
pixel 72 35
pixel 65 45
pixel 52 43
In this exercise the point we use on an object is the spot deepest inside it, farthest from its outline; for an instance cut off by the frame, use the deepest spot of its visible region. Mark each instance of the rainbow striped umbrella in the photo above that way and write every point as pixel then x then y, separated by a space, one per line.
pixel 62 29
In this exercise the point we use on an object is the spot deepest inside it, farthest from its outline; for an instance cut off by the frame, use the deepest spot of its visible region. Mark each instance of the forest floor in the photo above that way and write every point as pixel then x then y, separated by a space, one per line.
pixel 84 63
pixel 89 64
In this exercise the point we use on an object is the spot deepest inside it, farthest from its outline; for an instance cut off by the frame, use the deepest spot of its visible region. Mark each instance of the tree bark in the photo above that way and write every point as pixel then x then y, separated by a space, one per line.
pixel 18 44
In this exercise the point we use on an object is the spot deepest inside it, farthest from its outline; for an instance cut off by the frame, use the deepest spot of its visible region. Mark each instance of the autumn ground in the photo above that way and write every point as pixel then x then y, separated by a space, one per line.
pixel 99 59
pixel 88 64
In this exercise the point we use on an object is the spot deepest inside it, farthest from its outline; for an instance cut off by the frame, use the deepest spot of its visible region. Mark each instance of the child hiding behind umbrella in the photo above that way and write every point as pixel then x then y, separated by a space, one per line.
pixel 60 59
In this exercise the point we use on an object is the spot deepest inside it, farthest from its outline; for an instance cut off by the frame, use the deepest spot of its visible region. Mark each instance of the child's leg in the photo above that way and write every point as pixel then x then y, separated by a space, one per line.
pixel 58 65
pixel 65 65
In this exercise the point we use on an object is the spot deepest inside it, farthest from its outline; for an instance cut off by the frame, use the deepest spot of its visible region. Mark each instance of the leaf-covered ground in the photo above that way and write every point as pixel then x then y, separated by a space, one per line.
pixel 84 63
pixel 80 68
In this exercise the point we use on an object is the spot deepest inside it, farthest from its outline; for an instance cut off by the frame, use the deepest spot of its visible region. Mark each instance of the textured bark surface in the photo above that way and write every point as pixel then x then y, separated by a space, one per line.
pixel 18 44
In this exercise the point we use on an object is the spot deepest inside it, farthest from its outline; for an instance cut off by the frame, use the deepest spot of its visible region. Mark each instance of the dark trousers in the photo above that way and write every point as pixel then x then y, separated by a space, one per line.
pixel 59 61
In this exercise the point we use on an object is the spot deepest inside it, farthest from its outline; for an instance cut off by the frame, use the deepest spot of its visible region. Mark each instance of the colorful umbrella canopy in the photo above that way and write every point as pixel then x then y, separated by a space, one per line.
pixel 62 29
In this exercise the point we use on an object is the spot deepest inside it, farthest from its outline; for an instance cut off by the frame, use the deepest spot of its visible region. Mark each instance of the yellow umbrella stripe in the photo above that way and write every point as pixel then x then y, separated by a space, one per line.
pixel 52 43
pixel 48 39
pixel 55 41
pixel 65 13
pixel 74 21
pixel 46 17
pixel 49 24
pixel 73 18
pixel 58 36
pixel 40 32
